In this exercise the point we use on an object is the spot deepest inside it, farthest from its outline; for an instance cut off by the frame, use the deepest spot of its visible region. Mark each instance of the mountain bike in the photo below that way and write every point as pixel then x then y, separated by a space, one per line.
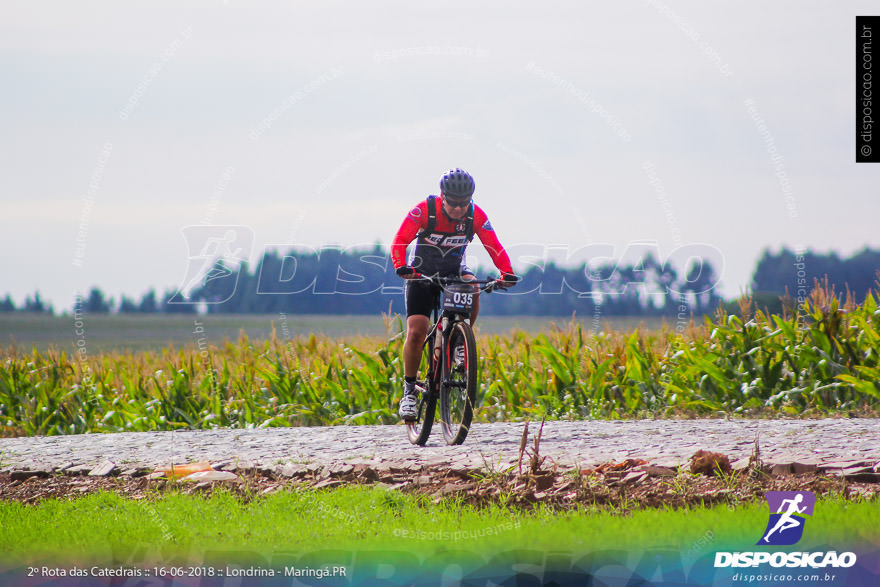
pixel 448 371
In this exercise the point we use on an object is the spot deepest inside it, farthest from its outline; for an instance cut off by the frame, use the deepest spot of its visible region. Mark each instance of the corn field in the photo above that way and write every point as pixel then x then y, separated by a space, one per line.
pixel 820 359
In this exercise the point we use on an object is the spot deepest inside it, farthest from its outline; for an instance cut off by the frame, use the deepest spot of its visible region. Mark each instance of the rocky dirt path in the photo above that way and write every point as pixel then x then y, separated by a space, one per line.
pixel 831 444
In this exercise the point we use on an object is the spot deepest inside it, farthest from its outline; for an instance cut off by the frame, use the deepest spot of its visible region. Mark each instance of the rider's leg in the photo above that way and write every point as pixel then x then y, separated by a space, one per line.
pixel 419 303
pixel 416 330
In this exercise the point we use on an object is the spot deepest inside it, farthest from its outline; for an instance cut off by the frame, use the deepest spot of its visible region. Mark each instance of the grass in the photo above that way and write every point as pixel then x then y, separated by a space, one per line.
pixel 154 332
pixel 106 525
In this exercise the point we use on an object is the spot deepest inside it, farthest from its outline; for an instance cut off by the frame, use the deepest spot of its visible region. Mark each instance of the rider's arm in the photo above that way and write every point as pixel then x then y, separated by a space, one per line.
pixel 407 232
pixel 484 230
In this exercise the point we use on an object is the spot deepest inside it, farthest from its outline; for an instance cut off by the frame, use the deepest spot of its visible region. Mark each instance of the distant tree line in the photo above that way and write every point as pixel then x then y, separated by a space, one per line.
pixel 795 272
pixel 336 281
pixel 96 302
pixel 32 303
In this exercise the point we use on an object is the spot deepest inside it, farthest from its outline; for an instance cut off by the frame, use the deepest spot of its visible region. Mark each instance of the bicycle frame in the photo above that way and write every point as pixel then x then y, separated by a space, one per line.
pixel 441 318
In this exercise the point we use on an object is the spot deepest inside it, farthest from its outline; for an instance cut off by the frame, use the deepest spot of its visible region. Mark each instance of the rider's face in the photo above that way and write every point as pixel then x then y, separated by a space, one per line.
pixel 454 211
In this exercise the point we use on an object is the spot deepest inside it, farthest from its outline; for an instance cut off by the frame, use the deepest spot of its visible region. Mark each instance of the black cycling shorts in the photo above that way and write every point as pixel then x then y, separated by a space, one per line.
pixel 422 297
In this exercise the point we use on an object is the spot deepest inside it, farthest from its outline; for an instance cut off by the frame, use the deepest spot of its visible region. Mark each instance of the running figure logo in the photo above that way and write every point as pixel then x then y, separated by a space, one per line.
pixel 212 248
pixel 787 511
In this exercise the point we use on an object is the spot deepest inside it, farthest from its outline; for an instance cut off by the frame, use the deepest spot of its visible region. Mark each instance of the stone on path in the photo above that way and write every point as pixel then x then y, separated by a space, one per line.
pixel 103 469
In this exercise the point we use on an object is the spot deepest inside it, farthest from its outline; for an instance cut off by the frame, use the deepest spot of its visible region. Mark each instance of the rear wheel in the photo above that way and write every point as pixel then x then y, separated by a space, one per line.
pixel 458 388
pixel 427 382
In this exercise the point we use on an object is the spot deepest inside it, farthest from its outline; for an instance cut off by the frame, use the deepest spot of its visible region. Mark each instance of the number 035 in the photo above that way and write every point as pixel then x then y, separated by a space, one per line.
pixel 466 299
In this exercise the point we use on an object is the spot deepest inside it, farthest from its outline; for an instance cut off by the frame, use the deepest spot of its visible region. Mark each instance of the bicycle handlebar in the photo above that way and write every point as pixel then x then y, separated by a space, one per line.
pixel 486 285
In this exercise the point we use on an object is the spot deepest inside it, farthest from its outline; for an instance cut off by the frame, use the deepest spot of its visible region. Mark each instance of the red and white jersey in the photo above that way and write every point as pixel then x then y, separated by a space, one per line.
pixel 442 250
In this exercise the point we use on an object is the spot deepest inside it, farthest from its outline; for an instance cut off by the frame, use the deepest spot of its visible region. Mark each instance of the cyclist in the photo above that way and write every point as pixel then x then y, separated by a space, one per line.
pixel 442 228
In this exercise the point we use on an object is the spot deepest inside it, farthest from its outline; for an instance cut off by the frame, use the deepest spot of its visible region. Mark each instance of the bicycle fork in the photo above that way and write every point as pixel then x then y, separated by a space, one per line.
pixel 435 370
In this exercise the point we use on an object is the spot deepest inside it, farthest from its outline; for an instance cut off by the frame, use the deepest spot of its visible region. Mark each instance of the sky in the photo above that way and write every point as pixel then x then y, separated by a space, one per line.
pixel 647 125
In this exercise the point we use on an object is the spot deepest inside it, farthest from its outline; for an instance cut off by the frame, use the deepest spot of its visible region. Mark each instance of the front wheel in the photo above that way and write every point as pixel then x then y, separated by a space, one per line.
pixel 458 388
pixel 427 383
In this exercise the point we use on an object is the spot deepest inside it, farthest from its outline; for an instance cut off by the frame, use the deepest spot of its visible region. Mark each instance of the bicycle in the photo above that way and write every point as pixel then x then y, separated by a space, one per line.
pixel 448 370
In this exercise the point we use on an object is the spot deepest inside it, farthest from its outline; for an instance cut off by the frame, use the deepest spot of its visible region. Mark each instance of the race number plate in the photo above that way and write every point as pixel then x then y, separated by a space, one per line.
pixel 458 298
